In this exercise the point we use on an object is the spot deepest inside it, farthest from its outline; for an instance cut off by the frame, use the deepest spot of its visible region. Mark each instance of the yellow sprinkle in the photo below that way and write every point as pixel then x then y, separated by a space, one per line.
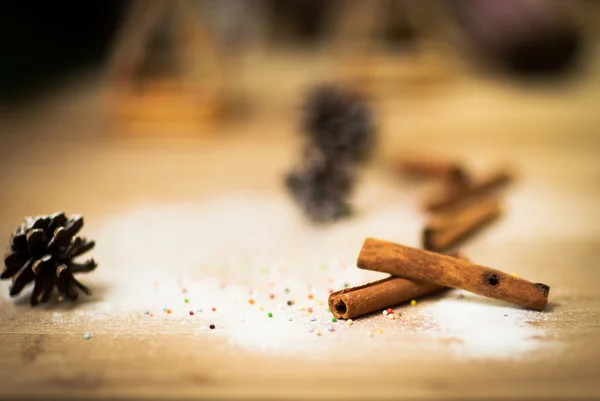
pixel 515 275
pixel 321 303
pixel 370 333
pixel 301 308
pixel 317 332
pixel 413 302
pixel 380 330
pixel 349 321
pixel 260 307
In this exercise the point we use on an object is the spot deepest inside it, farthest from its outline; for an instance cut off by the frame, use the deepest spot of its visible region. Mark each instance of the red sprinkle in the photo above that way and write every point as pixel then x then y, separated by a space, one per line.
pixel 309 310
pixel 191 313
pixel 272 296
pixel 390 310
pixel 331 290
pixel 214 309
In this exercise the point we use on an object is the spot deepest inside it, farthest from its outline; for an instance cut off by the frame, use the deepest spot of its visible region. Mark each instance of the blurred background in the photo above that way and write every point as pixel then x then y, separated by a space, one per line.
pixel 130 91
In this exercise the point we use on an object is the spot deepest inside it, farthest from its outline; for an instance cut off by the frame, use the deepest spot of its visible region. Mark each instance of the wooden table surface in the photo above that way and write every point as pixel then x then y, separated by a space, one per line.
pixel 61 153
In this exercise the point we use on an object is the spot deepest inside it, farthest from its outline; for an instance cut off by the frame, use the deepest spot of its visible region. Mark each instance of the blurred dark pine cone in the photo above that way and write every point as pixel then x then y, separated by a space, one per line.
pixel 339 123
pixel 42 250
pixel 322 189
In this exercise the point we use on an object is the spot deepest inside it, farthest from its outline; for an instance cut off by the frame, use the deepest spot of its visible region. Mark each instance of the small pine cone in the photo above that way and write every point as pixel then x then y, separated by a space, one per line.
pixel 42 250
pixel 339 123
pixel 321 190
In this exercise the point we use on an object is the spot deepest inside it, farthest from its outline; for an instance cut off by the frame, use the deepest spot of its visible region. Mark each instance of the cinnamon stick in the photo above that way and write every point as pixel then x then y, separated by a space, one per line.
pixel 378 295
pixel 460 194
pixel 361 300
pixel 432 168
pixel 446 230
pixel 442 270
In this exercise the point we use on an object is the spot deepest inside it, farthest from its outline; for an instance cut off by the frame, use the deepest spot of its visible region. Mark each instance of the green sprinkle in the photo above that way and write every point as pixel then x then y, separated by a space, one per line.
pixel 270 314
pixel 87 336
pixel 333 319
pixel 186 300
pixel 346 285
pixel 328 310
pixel 287 290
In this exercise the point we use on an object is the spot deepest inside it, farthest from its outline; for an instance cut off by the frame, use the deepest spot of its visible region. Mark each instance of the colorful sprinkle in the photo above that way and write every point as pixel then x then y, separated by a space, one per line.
pixel 380 330
pixel 270 314
pixel 385 312
pixel 272 296
pixel 214 309
pixel 391 316
pixel 370 333
pixel 310 296
pixel 390 310
pixel 349 321
pixel 87 336
pixel 346 285
pixel 212 326
pixel 168 311
pixel 289 318
pixel 310 310
pixel 146 312
pixel 317 332
pixel 164 309
pixel 328 310
pixel 331 290
pixel 333 319
pixel 290 303
pixel 260 307
pixel 321 303
pixel 186 300
pixel 191 313
pixel 251 301
pixel 223 284
pixel 300 308
pixel 184 291
pixel 413 302
pixel 287 290
pixel 330 328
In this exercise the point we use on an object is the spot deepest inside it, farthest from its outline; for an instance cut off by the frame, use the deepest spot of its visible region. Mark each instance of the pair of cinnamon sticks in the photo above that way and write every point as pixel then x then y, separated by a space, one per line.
pixel 461 210
pixel 417 272
pixel 464 206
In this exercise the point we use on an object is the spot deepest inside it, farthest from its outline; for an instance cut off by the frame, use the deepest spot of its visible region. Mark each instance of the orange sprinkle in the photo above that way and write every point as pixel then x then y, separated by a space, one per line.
pixel 222 284
pixel 310 296
pixel 251 301
pixel 272 296
pixel 331 291
pixel 169 311
pixel 184 291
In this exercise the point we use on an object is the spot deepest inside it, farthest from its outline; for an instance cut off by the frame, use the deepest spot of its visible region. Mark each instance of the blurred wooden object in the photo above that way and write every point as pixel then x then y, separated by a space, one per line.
pixel 184 79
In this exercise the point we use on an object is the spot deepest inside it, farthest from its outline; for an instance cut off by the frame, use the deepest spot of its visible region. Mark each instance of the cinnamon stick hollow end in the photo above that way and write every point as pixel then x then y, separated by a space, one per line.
pixel 446 271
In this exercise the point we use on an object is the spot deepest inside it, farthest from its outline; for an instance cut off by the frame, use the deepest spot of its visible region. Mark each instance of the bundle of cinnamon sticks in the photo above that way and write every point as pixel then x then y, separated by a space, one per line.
pixel 465 206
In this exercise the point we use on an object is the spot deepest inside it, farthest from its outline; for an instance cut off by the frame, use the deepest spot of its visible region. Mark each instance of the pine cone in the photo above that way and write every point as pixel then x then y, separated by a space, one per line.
pixel 42 250
pixel 321 190
pixel 339 123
